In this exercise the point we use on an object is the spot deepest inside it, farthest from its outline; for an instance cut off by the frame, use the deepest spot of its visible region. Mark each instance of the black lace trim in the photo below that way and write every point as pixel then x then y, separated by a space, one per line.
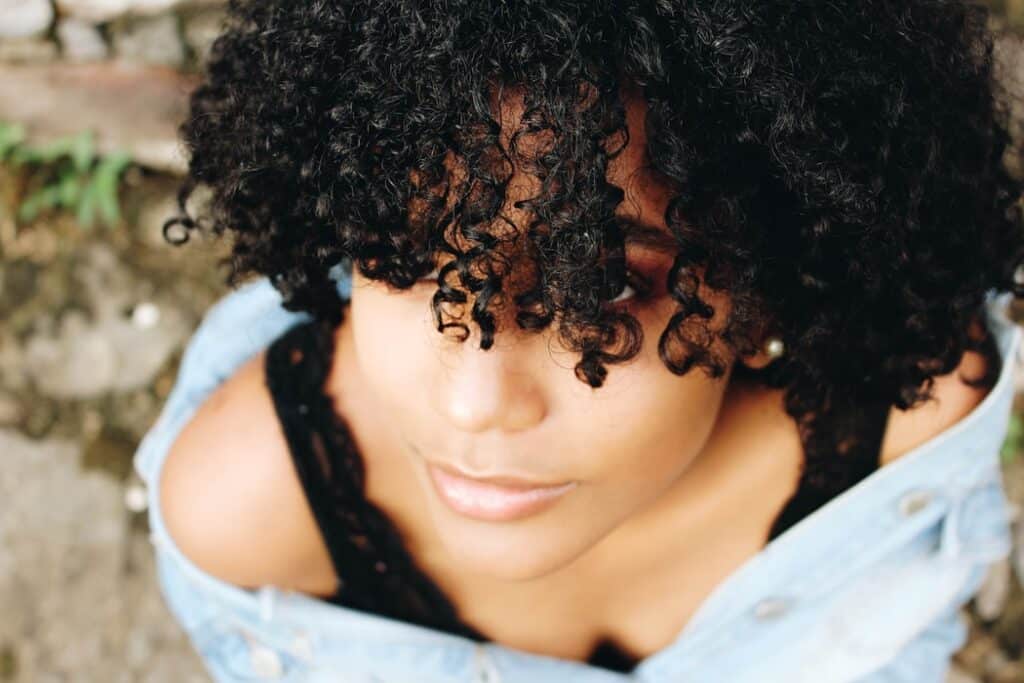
pixel 379 575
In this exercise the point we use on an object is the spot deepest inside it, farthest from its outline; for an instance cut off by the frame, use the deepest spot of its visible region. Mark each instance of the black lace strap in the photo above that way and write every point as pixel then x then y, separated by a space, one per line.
pixel 375 572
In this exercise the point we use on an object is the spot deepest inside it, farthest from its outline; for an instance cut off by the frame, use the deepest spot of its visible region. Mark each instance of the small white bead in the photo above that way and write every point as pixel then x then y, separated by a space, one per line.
pixel 135 498
pixel 774 347
pixel 145 315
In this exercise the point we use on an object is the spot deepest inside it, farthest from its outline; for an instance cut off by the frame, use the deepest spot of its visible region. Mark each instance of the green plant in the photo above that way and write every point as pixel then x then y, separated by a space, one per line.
pixel 1014 439
pixel 69 175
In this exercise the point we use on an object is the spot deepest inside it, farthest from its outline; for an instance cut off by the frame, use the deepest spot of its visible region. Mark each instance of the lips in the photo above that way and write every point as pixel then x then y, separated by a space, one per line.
pixel 494 498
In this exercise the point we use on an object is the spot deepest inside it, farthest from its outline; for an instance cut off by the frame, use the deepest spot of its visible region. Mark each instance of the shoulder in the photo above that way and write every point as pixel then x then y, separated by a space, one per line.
pixel 954 400
pixel 231 498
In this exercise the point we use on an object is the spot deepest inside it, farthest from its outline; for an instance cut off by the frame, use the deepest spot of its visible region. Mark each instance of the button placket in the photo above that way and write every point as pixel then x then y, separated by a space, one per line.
pixel 914 502
pixel 485 671
pixel 266 596
pixel 950 543
pixel 771 608
pixel 302 647
pixel 265 662
pixel 956 539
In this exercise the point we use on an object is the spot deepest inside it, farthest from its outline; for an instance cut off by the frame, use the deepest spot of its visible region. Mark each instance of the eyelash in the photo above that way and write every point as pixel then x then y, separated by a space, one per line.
pixel 641 288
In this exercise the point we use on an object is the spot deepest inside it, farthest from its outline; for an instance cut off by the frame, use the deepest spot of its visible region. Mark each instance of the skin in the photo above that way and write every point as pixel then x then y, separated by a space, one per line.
pixel 657 486
pixel 518 409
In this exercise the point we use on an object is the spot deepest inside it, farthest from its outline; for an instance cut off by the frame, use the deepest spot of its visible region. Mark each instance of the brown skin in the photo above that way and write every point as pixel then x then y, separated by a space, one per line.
pixel 657 486
pixel 518 409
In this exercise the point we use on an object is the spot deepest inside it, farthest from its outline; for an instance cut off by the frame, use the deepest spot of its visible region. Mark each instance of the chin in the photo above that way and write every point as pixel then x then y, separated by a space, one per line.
pixel 505 554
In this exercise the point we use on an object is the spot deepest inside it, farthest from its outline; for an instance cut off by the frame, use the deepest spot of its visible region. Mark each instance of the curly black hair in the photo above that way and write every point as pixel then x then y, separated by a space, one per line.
pixel 836 167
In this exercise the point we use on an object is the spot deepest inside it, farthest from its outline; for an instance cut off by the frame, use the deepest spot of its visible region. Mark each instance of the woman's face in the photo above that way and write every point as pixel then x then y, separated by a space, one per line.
pixel 518 410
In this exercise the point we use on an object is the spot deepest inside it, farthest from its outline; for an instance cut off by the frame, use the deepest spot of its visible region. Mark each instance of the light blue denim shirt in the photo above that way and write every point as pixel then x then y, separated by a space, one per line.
pixel 867 588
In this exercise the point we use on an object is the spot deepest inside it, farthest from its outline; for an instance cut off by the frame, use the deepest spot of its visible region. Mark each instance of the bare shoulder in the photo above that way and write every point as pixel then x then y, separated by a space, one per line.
pixel 231 498
pixel 954 400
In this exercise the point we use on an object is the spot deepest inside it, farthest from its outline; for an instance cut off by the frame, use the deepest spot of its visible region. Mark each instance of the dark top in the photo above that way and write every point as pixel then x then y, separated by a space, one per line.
pixel 375 572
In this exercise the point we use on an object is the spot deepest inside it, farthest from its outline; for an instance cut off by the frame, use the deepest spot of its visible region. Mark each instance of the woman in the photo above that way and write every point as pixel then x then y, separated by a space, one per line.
pixel 592 341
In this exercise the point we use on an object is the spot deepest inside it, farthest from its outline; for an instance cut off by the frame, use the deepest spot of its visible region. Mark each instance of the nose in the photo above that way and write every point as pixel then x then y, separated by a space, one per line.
pixel 499 389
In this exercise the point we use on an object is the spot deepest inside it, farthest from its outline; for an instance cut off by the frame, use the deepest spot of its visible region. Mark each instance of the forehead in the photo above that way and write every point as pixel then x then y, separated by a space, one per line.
pixel 508 105
pixel 523 137
pixel 647 191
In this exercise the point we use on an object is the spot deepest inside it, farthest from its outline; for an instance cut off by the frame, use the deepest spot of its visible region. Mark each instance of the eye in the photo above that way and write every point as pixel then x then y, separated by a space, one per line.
pixel 622 297
pixel 635 289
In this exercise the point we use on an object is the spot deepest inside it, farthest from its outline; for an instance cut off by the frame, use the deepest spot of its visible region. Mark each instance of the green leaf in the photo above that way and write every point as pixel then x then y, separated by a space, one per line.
pixel 86 213
pixel 69 188
pixel 1014 437
pixel 45 198
pixel 11 135
pixel 81 151
pixel 105 182
pixel 46 153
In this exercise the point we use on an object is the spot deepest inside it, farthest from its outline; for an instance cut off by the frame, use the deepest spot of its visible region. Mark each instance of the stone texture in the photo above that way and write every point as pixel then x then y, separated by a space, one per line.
pixel 1008 54
pixel 994 591
pixel 81 41
pixel 108 349
pixel 13 374
pixel 130 107
pixel 11 411
pixel 21 18
pixel 150 40
pixel 27 51
pixel 152 216
pixel 97 11
pixel 201 29
pixel 77 581
pixel 958 675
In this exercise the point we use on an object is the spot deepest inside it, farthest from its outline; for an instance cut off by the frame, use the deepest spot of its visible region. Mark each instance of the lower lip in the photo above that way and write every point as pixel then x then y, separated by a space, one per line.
pixel 491 502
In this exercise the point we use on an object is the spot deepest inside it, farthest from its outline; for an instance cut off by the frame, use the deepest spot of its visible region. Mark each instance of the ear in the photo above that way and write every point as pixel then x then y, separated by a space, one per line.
pixel 763 355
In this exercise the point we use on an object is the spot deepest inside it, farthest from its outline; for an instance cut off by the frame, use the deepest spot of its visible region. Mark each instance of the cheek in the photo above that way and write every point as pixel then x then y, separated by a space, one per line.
pixel 647 425
pixel 652 435
pixel 388 334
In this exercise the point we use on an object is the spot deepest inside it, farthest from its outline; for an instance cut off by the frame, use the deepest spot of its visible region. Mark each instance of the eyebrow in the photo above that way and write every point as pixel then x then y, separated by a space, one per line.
pixel 643 235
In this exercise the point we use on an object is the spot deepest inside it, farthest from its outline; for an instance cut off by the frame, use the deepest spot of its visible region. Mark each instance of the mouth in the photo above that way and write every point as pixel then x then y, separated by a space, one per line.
pixel 494 498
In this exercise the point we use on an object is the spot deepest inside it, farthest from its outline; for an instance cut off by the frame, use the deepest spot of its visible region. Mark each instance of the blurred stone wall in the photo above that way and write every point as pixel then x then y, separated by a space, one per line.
pixel 123 67
pixel 173 33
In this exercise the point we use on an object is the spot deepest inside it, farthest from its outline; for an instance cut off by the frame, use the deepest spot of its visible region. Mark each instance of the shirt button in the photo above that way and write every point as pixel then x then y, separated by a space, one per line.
pixel 302 647
pixel 913 502
pixel 265 662
pixel 770 608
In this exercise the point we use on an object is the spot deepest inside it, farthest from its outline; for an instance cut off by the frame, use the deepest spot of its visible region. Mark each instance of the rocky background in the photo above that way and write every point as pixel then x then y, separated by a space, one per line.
pixel 94 319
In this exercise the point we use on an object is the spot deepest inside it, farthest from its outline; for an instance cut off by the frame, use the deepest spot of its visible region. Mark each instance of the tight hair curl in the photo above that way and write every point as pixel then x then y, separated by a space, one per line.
pixel 837 169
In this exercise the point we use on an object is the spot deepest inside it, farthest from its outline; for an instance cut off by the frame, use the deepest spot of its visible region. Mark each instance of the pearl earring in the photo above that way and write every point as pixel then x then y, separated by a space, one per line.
pixel 774 347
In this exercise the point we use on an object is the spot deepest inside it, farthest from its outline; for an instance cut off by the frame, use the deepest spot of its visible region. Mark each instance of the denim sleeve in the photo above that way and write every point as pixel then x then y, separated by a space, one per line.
pixel 926 658
pixel 233 329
